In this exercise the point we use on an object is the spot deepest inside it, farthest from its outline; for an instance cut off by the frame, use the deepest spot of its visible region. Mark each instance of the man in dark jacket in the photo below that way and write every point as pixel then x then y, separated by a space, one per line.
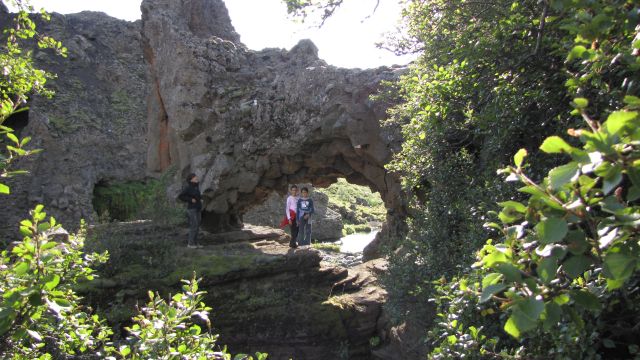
pixel 192 196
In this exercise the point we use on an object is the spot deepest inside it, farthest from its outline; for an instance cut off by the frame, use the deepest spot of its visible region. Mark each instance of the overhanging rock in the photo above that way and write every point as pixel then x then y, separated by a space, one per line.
pixel 250 123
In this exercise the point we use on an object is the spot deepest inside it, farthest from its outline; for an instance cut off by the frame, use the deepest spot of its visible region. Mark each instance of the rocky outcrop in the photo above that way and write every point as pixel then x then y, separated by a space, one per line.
pixel 265 296
pixel 250 123
pixel 327 224
pixel 93 130
pixel 247 122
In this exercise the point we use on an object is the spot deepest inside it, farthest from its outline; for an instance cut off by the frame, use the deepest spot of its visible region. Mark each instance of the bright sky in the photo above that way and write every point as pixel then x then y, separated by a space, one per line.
pixel 347 39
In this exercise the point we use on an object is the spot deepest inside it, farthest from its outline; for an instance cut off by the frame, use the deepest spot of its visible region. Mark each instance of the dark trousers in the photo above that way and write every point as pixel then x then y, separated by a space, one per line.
pixel 304 231
pixel 195 217
pixel 294 231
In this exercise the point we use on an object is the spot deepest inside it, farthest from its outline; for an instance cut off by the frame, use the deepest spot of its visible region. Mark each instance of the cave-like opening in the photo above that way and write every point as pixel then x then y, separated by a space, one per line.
pixel 18 121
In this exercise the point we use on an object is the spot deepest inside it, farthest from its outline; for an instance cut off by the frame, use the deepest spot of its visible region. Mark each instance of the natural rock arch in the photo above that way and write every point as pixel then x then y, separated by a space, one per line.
pixel 249 123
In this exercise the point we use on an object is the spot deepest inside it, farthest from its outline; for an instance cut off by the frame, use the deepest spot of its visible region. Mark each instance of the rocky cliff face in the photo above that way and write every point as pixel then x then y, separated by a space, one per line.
pixel 250 123
pixel 93 130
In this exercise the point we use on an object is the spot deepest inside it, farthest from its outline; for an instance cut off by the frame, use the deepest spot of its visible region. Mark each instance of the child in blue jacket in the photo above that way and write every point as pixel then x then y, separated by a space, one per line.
pixel 304 211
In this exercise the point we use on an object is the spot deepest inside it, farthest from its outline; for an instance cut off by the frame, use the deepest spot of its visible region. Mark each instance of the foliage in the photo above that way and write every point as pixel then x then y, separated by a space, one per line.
pixel 138 200
pixel 40 314
pixel 20 79
pixel 354 229
pixel 357 204
pixel 485 85
pixel 493 78
pixel 564 268
pixel 173 330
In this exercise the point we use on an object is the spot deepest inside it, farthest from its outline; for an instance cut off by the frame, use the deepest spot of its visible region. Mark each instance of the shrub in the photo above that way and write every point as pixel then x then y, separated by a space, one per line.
pixel 139 200
pixel 564 265
pixel 168 330
pixel 40 313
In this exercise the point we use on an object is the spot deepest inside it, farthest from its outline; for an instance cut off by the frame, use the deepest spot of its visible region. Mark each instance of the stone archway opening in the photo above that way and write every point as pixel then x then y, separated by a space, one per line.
pixel 361 210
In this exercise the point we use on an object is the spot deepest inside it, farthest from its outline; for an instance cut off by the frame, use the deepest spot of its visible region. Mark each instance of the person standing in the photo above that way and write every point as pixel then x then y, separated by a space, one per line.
pixel 290 212
pixel 304 209
pixel 192 196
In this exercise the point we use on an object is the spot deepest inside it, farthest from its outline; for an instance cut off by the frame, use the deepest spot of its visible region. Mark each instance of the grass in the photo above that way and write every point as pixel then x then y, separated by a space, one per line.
pixel 367 205
pixel 326 246
pixel 349 229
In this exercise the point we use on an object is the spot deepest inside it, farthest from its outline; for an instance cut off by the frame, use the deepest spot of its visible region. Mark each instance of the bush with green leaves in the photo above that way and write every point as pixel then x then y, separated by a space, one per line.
pixel 42 317
pixel 563 272
pixel 172 330
pixel 139 200
pixel 40 314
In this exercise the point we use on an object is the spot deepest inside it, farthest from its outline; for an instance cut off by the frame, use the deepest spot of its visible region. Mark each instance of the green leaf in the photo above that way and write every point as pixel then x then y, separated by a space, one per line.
pixel 21 268
pixel 576 265
pixel 124 350
pixel 491 279
pixel 586 299
pixel 518 158
pixel 577 242
pixel 510 272
pixel 13 138
pixel 51 284
pixel 619 120
pixel 619 265
pixel 612 180
pixel 632 100
pixel 547 269
pixel 493 258
pixel 551 230
pixel 633 194
pixel 552 315
pixel 524 317
pixel 563 175
pixel 576 52
pixel 4 189
pixel 521 208
pixel 580 103
pixel 556 145
pixel 532 308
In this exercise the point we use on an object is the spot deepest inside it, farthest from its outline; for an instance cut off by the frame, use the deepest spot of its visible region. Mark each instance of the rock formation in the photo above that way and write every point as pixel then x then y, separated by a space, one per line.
pixel 265 296
pixel 92 131
pixel 250 123
pixel 179 89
